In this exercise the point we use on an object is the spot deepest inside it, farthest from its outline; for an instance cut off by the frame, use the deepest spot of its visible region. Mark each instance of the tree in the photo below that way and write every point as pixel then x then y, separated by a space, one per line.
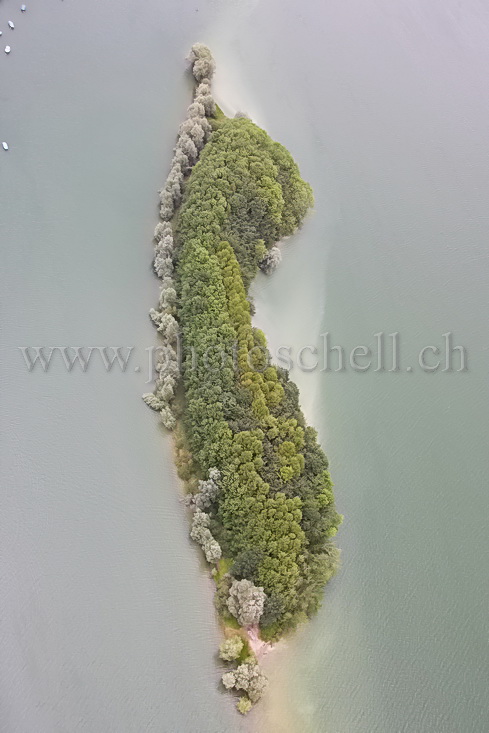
pixel 163 229
pixel 272 507
pixel 203 65
pixel 164 249
pixel 214 474
pixel 187 145
pixel 181 160
pixel 247 564
pixel 273 609
pixel 203 88
pixel 200 522
pixel 248 677
pixel 198 135
pixel 169 367
pixel 168 326
pixel 203 68
pixel 168 418
pixel 231 648
pixel 201 533
pixel 212 550
pixel 271 261
pixel 196 110
pixel 208 490
pixel 228 680
pixel 152 401
pixel 168 297
pixel 244 705
pixel 246 602
pixel 166 205
pixel 206 99
pixel 166 390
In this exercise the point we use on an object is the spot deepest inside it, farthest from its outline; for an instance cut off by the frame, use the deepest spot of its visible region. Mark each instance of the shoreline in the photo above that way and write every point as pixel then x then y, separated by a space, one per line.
pixel 226 88
pixel 259 647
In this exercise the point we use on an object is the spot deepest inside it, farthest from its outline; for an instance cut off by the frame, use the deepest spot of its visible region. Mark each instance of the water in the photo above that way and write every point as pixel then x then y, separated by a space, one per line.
pixel 107 621
pixel 107 617
pixel 393 143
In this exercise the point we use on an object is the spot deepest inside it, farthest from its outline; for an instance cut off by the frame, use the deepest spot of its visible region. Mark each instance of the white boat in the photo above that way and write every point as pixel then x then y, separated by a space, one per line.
pixel 5 146
pixel 11 25
pixel 7 49
pixel 22 7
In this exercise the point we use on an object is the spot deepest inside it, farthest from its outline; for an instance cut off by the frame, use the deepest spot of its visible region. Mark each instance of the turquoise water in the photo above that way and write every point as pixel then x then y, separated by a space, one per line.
pixel 108 622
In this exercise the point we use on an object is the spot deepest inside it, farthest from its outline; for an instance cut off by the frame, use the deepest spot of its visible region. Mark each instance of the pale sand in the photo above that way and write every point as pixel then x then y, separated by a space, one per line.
pixel 231 91
pixel 259 647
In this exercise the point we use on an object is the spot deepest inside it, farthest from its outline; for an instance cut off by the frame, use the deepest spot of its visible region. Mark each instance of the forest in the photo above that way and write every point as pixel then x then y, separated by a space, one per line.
pixel 258 482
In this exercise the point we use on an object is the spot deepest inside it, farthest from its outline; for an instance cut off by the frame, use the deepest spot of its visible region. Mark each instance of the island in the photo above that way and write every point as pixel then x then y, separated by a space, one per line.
pixel 257 482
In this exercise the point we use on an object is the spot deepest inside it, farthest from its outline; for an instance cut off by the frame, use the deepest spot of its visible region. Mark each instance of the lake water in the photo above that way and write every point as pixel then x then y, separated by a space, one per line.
pixel 107 621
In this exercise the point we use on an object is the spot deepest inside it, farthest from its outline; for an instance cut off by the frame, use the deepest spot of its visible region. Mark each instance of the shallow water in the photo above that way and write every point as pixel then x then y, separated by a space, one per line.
pixel 108 621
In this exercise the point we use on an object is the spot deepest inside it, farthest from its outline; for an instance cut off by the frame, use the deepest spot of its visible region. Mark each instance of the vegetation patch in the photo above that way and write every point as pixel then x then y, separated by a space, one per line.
pixel 259 483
